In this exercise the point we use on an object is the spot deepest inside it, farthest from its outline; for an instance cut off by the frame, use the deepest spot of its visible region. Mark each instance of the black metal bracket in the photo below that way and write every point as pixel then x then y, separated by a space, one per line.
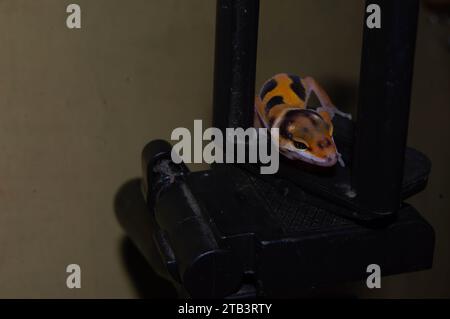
pixel 230 232
pixel 378 161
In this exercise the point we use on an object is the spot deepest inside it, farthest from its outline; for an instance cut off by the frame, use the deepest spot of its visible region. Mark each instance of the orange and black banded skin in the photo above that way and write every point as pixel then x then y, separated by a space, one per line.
pixel 279 93
pixel 303 133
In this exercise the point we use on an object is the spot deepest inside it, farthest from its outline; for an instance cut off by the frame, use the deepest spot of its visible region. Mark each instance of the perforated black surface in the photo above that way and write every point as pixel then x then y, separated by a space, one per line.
pixel 334 184
pixel 293 214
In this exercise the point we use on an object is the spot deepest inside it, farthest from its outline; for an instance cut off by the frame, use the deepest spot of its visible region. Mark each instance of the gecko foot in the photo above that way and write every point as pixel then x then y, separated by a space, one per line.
pixel 332 110
pixel 340 160
pixel 343 114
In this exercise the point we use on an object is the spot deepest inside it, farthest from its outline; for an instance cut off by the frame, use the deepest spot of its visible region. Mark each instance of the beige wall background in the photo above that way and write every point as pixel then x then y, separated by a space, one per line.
pixel 76 108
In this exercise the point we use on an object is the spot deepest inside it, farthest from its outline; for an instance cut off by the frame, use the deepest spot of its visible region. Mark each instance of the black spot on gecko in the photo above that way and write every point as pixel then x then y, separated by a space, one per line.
pixel 268 87
pixel 297 87
pixel 276 100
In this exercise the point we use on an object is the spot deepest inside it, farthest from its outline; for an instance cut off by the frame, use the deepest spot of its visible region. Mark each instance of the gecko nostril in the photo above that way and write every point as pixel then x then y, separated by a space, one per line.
pixel 324 144
pixel 332 158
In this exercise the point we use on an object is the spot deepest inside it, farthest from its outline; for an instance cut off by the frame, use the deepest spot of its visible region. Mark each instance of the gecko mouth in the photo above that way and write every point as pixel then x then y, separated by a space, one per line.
pixel 311 159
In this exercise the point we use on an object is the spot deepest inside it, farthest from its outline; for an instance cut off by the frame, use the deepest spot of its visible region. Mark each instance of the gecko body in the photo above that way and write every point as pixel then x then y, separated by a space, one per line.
pixel 304 134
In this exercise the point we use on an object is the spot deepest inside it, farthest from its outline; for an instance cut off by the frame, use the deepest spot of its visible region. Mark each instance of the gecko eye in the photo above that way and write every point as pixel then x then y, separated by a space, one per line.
pixel 301 146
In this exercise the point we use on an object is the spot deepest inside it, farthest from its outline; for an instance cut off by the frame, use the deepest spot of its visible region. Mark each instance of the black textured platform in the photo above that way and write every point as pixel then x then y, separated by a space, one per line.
pixel 224 230
pixel 334 184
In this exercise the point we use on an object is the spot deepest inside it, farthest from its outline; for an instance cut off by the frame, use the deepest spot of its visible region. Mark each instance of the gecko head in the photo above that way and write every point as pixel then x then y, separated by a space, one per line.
pixel 306 136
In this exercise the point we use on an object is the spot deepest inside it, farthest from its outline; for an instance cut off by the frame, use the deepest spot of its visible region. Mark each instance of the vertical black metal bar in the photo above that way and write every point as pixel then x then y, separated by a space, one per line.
pixel 235 62
pixel 384 101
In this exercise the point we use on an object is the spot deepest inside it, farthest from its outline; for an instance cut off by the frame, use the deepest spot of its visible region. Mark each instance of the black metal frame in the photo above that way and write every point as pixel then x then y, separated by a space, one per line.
pixel 384 101
pixel 235 62
pixel 228 232
pixel 383 111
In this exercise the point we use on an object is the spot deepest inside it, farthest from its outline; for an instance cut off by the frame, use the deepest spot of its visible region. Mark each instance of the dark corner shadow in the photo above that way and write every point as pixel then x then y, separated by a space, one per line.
pixel 131 212
pixel 148 284
pixel 344 93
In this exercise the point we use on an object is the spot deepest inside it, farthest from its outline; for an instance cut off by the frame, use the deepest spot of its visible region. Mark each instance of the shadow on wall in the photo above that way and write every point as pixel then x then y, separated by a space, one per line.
pixel 128 205
pixel 146 281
